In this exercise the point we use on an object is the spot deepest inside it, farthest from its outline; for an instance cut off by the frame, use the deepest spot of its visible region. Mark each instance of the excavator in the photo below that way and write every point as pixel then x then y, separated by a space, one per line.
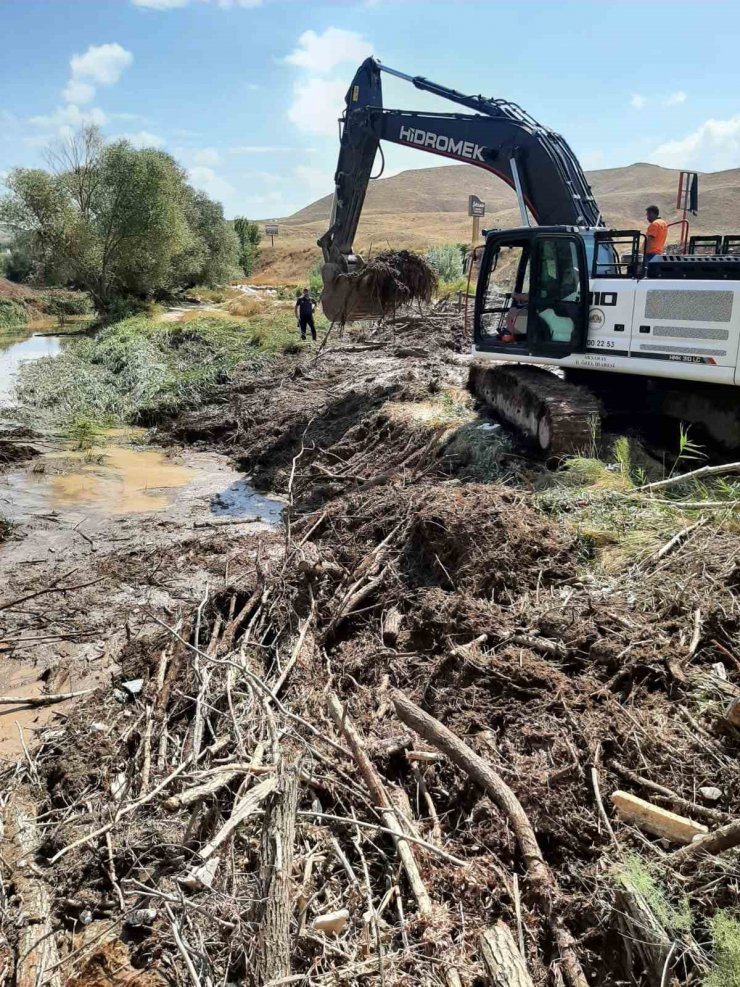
pixel 568 323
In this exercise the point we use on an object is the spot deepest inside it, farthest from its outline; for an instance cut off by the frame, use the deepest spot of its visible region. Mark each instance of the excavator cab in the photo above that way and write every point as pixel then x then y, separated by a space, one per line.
pixel 532 294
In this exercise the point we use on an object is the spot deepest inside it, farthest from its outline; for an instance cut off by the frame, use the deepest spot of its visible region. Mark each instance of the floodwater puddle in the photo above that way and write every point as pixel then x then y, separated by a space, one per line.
pixel 112 479
pixel 17 348
pixel 122 476
pixel 125 480
pixel 240 500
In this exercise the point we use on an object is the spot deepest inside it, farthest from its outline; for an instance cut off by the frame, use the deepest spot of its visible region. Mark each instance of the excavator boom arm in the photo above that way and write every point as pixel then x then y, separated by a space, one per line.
pixel 500 138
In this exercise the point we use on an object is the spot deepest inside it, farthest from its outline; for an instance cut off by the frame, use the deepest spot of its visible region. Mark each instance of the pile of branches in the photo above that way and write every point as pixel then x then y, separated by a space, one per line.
pixel 398 277
pixel 402 751
pixel 385 758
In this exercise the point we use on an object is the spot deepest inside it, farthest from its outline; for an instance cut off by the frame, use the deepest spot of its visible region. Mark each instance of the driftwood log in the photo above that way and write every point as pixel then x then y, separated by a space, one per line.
pixel 37 957
pixel 272 961
pixel 503 961
pixel 542 879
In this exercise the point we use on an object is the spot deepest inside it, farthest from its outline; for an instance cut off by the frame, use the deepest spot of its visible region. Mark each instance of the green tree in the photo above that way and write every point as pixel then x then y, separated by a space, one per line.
pixel 249 236
pixel 117 221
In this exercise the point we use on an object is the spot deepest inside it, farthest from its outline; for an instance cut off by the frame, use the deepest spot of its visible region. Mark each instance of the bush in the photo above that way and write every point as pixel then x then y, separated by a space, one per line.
pixel 12 315
pixel 67 303
pixel 446 261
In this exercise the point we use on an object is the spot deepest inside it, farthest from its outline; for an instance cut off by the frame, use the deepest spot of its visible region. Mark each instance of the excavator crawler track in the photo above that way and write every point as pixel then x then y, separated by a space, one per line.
pixel 559 418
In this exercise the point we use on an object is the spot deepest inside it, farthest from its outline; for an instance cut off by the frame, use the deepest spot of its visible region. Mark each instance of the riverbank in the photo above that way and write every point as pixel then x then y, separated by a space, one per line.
pixel 578 633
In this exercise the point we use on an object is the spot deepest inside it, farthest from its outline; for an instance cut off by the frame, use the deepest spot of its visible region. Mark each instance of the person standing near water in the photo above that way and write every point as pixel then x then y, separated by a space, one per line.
pixel 304 309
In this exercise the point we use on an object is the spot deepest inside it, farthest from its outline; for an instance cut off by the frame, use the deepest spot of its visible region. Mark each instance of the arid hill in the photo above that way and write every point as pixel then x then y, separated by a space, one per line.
pixel 426 206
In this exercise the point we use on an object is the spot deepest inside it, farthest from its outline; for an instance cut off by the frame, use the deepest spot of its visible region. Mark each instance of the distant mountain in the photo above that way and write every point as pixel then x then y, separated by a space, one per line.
pixel 425 206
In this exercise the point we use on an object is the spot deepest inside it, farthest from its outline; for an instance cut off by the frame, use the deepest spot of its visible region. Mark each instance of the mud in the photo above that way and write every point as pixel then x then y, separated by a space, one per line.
pixel 125 530
pixel 551 669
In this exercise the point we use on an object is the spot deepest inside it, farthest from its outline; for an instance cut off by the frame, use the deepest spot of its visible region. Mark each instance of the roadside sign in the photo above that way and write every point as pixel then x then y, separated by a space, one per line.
pixel 271 230
pixel 476 206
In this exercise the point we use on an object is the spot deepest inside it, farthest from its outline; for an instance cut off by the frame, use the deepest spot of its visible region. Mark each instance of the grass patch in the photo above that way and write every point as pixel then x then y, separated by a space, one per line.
pixel 244 306
pixel 672 911
pixel 140 370
pixel 725 971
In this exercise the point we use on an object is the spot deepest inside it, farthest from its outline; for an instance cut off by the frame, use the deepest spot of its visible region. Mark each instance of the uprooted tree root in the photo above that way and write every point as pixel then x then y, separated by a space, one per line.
pixel 265 749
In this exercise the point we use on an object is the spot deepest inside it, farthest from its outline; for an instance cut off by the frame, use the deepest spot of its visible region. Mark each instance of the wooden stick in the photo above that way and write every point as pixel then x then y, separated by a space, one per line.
pixel 273 952
pixel 693 475
pixel 661 822
pixel 244 808
pixel 542 878
pixel 503 961
pixel 699 810
pixel 216 779
pixel 48 700
pixel 715 842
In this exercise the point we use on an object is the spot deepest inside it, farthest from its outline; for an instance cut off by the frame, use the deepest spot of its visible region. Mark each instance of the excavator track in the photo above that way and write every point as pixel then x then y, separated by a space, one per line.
pixel 559 418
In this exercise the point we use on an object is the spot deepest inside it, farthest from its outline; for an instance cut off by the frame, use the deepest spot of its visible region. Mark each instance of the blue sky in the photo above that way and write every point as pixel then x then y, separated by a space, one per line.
pixel 245 93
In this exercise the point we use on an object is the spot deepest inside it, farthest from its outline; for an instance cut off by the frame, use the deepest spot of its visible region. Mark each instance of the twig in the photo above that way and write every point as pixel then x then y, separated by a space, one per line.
pixel 679 537
pixel 182 949
pixel 385 829
pixel 672 481
pixel 47 700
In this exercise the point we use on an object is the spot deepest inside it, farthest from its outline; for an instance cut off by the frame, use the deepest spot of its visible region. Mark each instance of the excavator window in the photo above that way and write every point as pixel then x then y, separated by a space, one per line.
pixel 503 314
pixel 556 321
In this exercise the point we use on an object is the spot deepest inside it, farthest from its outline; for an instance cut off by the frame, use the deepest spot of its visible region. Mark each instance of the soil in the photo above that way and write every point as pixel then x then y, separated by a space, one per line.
pixel 393 571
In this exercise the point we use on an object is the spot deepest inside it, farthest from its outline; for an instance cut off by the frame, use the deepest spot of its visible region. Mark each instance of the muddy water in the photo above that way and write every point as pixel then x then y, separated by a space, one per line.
pixel 17 348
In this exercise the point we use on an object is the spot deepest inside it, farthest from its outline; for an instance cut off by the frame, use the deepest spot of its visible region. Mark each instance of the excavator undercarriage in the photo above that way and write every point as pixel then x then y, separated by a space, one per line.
pixel 555 416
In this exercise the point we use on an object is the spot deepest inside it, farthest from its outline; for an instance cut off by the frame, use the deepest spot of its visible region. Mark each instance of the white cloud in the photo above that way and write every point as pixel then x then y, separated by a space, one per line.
pixel 173 4
pixel 70 116
pixel 320 53
pixel 252 86
pixel 638 102
pixel 79 92
pixel 317 105
pixel 101 63
pixel 142 138
pixel 675 98
pixel 209 182
pixel 206 156
pixel 318 97
pixel 714 146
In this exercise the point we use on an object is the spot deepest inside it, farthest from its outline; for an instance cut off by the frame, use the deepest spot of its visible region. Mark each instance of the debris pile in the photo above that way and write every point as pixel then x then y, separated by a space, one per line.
pixel 380 288
pixel 416 746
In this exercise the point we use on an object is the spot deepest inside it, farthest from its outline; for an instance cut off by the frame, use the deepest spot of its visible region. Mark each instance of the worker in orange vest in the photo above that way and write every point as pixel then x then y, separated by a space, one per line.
pixel 657 234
